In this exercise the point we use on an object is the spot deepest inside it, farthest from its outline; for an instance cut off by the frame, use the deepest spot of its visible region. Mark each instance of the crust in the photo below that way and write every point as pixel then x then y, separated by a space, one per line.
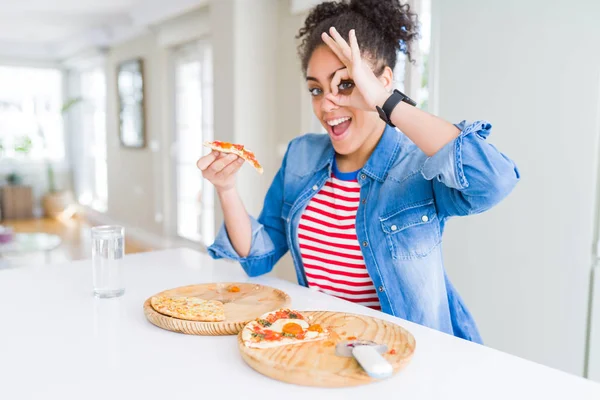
pixel 246 154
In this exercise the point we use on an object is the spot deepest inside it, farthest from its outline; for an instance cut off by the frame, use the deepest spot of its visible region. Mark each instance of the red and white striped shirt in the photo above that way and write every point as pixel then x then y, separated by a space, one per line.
pixel 332 258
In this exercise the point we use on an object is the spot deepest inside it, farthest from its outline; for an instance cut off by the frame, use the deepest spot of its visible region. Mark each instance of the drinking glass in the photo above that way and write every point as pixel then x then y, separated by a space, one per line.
pixel 108 249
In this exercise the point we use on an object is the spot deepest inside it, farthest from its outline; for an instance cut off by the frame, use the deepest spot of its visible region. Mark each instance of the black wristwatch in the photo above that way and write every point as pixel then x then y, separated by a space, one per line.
pixel 389 105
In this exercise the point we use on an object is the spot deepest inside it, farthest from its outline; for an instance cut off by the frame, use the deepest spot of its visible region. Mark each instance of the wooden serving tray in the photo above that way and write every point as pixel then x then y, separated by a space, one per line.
pixel 252 301
pixel 316 364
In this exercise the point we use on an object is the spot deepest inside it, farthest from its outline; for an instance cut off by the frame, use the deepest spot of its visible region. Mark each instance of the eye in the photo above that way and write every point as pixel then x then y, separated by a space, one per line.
pixel 315 91
pixel 346 85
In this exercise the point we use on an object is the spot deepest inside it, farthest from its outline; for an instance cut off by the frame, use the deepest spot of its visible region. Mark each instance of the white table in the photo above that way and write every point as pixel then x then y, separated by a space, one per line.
pixel 59 342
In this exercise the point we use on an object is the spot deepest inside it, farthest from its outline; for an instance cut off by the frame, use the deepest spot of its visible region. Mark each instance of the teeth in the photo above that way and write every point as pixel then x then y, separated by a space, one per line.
pixel 338 121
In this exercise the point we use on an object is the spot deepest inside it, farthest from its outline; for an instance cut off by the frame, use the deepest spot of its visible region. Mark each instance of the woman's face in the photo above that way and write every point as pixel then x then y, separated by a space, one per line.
pixel 348 127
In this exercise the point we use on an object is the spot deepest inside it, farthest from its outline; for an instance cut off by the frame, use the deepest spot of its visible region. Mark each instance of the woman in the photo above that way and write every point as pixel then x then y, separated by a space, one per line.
pixel 362 209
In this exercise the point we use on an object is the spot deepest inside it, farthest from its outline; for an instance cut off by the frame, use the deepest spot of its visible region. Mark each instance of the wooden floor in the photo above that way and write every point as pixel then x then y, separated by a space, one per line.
pixel 75 236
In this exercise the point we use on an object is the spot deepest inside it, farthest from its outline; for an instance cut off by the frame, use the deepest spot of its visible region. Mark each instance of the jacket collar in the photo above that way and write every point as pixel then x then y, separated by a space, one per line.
pixel 384 155
pixel 381 159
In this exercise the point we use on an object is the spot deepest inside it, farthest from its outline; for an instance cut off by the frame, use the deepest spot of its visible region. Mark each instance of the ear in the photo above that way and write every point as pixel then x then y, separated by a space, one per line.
pixel 387 78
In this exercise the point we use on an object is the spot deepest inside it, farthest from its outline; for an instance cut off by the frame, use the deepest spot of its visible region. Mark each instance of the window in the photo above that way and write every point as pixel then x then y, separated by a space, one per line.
pixel 30 114
pixel 92 182
pixel 193 125
pixel 412 78
pixel 424 47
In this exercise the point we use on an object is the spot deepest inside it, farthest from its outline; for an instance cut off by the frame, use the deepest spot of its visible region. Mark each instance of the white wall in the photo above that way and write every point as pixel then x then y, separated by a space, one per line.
pixel 132 196
pixel 243 36
pixel 532 69
pixel 255 101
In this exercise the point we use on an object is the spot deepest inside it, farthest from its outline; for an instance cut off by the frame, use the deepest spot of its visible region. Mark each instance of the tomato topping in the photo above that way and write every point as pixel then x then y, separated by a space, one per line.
pixel 271 335
pixel 283 314
pixel 233 289
pixel 225 145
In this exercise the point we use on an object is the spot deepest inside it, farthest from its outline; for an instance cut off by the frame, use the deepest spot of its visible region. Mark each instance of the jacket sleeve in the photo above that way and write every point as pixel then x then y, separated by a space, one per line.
pixel 269 242
pixel 469 174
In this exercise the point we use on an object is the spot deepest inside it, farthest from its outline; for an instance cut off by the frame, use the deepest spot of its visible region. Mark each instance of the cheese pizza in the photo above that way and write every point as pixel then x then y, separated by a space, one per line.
pixel 189 308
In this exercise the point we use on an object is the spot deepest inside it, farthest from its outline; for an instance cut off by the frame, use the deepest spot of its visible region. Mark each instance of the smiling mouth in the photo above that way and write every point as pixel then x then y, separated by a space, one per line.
pixel 338 127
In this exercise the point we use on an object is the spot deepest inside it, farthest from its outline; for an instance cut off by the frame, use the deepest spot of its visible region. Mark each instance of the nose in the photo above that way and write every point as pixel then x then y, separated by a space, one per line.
pixel 328 106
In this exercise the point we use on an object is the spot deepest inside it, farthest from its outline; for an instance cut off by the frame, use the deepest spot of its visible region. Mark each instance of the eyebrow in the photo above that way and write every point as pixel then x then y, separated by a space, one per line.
pixel 310 78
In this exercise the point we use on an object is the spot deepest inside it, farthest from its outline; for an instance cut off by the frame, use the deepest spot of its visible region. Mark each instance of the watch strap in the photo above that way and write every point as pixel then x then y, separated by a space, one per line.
pixel 386 110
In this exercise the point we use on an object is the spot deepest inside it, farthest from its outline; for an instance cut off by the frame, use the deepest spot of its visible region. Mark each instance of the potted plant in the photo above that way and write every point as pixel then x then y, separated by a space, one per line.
pixel 21 146
pixel 14 179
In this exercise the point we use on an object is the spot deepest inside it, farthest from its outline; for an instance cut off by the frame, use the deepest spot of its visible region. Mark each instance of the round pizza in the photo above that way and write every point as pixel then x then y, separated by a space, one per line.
pixel 189 308
pixel 279 328
pixel 237 149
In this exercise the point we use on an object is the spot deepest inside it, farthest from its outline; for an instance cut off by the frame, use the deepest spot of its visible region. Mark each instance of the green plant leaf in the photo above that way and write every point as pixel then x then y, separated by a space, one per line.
pixel 70 104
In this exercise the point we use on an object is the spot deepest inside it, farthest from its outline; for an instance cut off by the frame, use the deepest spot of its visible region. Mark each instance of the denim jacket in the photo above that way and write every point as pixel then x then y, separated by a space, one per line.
pixel 406 199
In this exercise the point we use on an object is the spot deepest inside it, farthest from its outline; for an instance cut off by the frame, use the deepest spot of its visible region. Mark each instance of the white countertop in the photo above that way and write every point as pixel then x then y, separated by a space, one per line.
pixel 59 342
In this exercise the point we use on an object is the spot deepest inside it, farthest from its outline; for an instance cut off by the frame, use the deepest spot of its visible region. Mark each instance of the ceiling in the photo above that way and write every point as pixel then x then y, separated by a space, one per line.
pixel 54 30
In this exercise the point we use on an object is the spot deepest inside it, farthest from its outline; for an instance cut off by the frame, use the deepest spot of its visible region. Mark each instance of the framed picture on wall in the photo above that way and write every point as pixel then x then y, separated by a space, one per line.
pixel 130 89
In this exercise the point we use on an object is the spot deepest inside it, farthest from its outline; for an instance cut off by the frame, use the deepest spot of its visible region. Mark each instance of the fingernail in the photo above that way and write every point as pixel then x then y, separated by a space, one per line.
pixel 215 153
pixel 240 160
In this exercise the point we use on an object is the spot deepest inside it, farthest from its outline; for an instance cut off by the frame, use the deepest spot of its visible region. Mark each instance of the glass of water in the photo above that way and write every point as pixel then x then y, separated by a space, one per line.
pixel 108 249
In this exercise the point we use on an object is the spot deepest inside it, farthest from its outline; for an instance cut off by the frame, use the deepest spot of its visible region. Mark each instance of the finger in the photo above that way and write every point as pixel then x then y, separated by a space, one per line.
pixel 341 42
pixel 231 168
pixel 339 100
pixel 354 46
pixel 208 159
pixel 222 162
pixel 334 47
pixel 338 77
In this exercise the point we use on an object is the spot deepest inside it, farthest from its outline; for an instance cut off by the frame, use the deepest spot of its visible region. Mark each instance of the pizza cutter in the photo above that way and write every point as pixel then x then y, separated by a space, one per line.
pixel 368 354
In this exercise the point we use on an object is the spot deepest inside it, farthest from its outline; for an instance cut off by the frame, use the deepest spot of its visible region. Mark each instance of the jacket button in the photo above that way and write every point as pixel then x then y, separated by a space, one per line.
pixel 315 187
pixel 394 227
pixel 364 201
pixel 365 243
pixel 424 218
pixel 363 176
pixel 381 288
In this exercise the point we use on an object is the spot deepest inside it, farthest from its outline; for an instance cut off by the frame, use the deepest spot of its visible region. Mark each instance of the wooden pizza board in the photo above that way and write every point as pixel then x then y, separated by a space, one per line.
pixel 316 364
pixel 249 303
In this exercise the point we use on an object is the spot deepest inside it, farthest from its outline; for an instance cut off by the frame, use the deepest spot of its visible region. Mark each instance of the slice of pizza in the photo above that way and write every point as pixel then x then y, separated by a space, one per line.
pixel 281 328
pixel 237 149
pixel 189 308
